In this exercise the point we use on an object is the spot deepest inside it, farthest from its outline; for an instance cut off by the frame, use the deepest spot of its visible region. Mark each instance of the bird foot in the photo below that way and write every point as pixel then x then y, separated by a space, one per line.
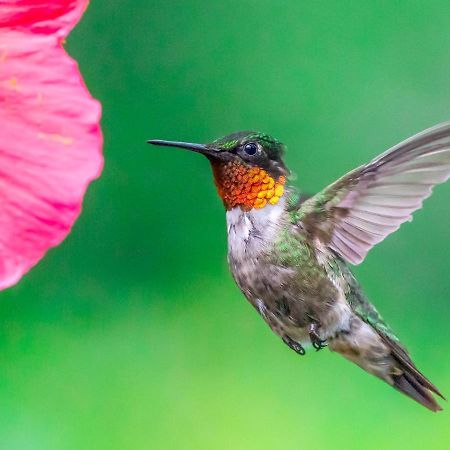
pixel 316 340
pixel 294 345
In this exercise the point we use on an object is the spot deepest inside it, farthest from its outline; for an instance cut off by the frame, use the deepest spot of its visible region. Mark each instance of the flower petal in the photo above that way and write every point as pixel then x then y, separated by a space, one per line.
pixel 50 141
pixel 41 16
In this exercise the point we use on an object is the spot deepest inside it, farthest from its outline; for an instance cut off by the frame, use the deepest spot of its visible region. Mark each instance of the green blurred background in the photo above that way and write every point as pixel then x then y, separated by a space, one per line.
pixel 132 334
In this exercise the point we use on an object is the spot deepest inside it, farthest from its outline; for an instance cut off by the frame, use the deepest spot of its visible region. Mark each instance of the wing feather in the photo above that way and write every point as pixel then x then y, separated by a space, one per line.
pixel 366 205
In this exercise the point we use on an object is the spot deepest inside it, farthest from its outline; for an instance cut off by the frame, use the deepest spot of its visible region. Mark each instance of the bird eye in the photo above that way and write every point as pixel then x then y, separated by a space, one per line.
pixel 251 148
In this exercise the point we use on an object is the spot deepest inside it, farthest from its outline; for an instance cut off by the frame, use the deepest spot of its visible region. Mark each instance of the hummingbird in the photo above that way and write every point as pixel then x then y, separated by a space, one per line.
pixel 289 253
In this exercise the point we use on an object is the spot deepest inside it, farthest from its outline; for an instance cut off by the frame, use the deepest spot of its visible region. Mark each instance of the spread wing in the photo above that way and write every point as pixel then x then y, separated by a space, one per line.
pixel 367 204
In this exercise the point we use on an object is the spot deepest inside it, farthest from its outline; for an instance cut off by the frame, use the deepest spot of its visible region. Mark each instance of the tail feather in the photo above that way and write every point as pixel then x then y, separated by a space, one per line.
pixel 410 380
pixel 410 386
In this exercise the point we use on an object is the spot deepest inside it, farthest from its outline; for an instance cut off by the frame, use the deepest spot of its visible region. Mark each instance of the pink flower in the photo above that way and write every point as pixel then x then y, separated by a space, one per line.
pixel 50 137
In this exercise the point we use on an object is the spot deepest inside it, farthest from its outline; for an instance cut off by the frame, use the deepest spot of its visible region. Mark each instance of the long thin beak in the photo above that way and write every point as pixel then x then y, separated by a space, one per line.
pixel 200 148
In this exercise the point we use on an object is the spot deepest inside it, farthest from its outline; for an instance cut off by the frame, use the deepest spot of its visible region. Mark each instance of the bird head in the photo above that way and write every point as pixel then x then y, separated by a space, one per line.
pixel 248 167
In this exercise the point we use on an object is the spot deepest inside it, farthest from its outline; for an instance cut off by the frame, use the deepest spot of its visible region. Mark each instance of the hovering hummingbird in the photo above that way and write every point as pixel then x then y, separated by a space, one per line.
pixel 289 253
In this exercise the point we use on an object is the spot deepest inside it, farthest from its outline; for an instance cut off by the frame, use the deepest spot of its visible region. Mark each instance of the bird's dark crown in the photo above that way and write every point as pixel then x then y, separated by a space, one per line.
pixel 253 148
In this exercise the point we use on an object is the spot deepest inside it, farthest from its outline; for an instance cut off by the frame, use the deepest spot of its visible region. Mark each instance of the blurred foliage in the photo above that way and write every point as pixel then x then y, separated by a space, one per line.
pixel 132 335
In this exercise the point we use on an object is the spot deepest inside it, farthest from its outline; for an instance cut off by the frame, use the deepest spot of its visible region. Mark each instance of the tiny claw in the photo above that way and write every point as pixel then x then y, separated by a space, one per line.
pixel 316 340
pixel 319 345
pixel 294 345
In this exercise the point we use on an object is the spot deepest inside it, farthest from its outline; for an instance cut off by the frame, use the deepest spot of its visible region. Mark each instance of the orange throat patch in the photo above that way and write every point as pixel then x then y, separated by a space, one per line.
pixel 246 187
